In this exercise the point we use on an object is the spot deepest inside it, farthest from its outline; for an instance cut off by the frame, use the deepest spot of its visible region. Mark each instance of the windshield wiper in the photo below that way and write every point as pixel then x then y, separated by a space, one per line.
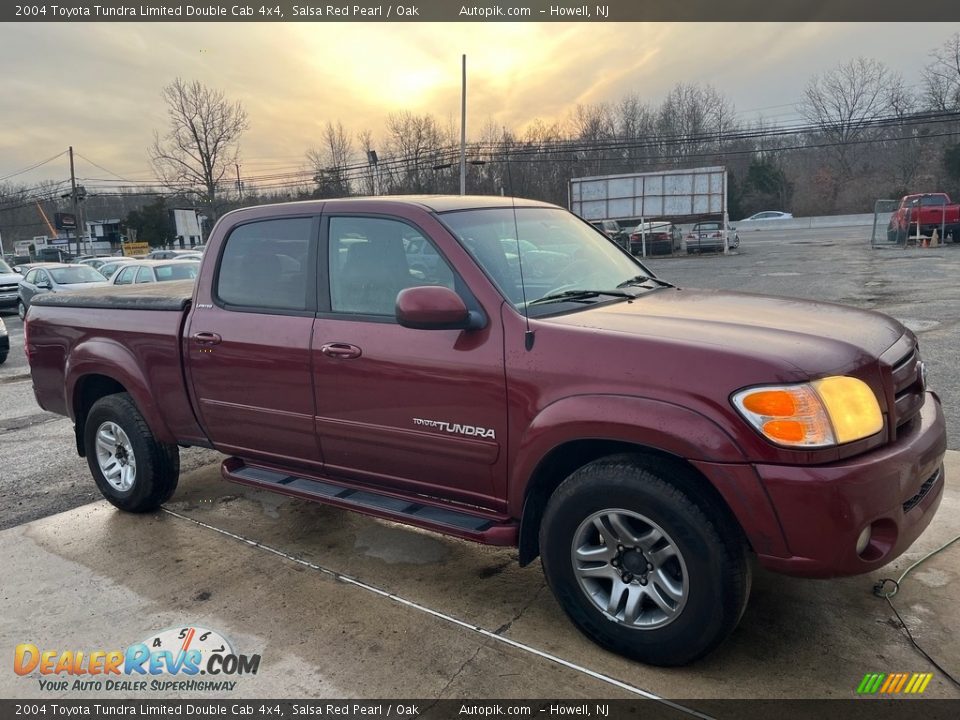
pixel 643 279
pixel 579 295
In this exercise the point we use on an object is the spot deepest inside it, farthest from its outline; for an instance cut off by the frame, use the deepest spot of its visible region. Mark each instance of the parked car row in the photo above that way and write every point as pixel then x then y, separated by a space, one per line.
pixel 662 237
pixel 19 287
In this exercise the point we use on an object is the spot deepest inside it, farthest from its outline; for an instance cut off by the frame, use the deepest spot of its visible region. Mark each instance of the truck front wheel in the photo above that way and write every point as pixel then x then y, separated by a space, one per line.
pixel 132 469
pixel 640 564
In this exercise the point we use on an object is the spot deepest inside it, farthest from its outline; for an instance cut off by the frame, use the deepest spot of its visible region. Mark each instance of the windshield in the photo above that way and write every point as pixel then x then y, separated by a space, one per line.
pixel 75 275
pixel 4 268
pixel 557 254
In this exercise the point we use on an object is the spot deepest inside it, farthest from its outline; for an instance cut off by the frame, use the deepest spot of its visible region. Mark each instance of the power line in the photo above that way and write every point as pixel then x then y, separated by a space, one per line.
pixel 101 167
pixel 34 166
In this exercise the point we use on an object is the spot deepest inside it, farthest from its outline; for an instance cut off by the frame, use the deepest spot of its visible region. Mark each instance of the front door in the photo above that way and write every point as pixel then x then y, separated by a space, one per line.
pixel 416 410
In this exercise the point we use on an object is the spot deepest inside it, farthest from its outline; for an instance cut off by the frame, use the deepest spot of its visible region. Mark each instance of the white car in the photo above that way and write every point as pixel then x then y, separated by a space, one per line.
pixel 148 271
pixel 769 215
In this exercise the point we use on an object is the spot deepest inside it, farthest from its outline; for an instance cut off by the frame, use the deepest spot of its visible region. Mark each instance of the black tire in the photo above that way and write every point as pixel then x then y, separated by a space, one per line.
pixel 21 310
pixel 708 543
pixel 3 358
pixel 157 464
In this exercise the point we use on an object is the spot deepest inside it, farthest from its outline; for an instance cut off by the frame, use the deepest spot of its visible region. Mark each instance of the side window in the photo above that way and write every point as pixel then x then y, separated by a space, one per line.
pixel 42 277
pixel 145 275
pixel 372 259
pixel 126 275
pixel 267 265
pixel 31 277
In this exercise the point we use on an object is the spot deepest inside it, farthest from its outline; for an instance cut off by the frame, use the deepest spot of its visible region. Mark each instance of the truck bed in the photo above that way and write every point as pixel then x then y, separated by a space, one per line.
pixel 133 330
pixel 173 295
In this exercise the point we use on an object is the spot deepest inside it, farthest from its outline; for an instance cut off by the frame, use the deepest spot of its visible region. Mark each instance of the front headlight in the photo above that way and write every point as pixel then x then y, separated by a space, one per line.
pixel 830 411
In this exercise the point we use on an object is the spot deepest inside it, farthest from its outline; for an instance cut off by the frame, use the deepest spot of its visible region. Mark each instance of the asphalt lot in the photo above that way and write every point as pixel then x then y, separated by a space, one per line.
pixel 918 286
pixel 341 605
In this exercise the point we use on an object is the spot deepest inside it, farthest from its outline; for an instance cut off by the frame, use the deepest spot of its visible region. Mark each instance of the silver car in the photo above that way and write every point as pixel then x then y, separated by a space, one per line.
pixel 55 277
pixel 9 282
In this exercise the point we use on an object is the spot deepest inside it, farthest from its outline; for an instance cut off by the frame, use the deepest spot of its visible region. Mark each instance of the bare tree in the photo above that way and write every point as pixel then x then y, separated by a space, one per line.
pixel 331 161
pixel 941 78
pixel 370 186
pixel 692 120
pixel 844 103
pixel 416 143
pixel 202 142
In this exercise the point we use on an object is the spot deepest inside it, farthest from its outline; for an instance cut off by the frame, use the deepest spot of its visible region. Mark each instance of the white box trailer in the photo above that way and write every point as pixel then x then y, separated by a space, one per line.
pixel 675 195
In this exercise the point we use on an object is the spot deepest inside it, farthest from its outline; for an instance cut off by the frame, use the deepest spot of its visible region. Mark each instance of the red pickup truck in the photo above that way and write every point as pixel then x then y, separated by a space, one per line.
pixel 926 212
pixel 644 440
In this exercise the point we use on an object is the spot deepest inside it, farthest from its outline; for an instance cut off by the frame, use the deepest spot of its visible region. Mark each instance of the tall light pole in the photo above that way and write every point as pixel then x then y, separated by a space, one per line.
pixel 73 196
pixel 463 130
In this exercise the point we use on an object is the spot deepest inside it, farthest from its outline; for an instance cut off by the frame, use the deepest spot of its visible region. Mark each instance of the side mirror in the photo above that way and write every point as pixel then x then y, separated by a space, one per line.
pixel 43 285
pixel 435 308
pixel 18 270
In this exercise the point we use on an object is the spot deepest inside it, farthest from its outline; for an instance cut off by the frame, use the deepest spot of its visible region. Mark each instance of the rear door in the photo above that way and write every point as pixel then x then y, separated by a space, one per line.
pixel 413 410
pixel 248 343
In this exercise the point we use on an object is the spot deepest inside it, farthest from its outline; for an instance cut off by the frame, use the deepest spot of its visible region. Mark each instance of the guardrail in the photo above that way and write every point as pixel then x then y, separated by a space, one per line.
pixel 805 223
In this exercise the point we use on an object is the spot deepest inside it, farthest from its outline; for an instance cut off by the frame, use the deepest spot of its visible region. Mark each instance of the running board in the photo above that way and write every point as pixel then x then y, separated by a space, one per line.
pixel 420 512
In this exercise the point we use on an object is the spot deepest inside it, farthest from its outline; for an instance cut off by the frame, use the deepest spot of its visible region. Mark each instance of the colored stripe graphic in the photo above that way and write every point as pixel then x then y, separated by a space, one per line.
pixel 870 683
pixel 894 683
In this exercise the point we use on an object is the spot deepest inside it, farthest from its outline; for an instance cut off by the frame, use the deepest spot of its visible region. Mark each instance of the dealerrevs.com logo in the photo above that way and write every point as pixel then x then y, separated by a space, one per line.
pixel 180 659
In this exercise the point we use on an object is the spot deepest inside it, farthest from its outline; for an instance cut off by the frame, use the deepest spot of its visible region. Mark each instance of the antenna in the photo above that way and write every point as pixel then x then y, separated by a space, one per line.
pixel 528 336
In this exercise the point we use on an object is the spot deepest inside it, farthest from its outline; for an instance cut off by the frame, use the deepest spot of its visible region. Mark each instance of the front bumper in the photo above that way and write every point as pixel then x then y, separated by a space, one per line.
pixel 8 299
pixel 822 509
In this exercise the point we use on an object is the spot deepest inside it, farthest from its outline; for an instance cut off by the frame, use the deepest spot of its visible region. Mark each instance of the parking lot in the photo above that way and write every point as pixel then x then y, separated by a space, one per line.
pixel 341 605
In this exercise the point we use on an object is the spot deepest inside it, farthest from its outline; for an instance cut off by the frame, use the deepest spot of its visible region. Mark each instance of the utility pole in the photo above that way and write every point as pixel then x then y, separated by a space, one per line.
pixel 239 184
pixel 73 196
pixel 463 130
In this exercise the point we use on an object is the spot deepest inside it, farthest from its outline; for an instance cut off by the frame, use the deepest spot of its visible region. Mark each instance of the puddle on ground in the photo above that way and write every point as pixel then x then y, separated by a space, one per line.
pixel 933 577
pixel 919 326
pixel 394 545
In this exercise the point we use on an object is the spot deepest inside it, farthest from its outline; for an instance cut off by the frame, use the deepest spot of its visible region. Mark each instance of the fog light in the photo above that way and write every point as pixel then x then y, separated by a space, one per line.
pixel 863 540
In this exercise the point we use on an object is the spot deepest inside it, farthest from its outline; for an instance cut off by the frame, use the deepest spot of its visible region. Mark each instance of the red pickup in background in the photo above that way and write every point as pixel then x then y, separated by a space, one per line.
pixel 926 212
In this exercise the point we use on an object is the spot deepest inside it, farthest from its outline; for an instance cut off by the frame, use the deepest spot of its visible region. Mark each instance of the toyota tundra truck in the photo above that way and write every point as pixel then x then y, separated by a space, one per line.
pixel 650 443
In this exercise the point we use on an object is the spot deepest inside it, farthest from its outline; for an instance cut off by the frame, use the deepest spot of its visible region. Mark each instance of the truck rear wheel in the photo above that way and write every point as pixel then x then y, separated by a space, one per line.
pixel 642 565
pixel 132 469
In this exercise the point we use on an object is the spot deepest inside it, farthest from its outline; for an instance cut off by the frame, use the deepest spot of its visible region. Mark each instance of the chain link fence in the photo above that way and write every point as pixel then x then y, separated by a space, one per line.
pixel 884 234
pixel 927 221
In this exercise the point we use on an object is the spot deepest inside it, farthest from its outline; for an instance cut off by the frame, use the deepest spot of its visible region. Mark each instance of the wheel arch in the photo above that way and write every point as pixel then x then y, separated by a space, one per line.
pixel 574 431
pixel 569 456
pixel 99 368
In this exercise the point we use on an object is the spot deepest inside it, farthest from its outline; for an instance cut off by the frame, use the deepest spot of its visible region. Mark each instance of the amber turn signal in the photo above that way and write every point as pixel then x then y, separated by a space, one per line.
pixel 830 411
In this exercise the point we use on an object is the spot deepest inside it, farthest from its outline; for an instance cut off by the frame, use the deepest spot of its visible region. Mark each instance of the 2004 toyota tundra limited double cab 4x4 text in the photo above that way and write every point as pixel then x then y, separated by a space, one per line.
pixel 524 382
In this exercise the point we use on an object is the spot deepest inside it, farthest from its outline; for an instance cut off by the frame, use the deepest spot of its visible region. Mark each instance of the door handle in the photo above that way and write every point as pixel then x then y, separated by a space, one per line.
pixel 206 338
pixel 343 351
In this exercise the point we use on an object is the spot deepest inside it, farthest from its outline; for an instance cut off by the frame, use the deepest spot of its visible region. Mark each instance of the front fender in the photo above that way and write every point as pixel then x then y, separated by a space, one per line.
pixel 655 424
pixel 105 357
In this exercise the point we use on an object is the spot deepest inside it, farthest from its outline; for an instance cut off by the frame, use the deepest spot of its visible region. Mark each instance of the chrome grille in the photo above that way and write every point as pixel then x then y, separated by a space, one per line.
pixel 908 389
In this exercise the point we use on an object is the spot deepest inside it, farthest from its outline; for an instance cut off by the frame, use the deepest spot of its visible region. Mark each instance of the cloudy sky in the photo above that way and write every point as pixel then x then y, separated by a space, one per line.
pixel 97 85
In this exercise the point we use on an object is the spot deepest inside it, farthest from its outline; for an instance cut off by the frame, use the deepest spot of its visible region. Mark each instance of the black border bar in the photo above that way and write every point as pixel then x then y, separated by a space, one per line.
pixel 485 11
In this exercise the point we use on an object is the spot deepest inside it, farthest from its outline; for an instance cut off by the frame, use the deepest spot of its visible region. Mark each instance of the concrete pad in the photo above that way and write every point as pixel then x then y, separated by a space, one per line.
pixel 96 578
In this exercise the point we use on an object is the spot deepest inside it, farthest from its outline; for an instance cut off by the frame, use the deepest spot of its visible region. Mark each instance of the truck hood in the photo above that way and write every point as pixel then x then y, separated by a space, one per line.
pixel 813 337
pixel 10 278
